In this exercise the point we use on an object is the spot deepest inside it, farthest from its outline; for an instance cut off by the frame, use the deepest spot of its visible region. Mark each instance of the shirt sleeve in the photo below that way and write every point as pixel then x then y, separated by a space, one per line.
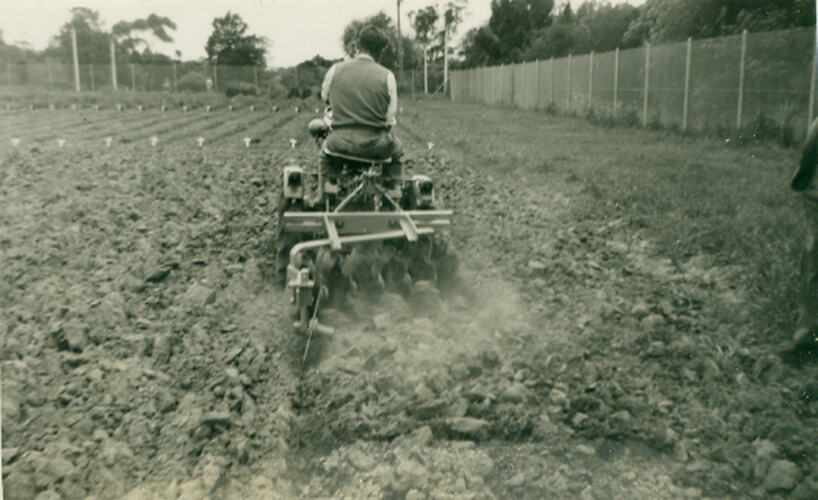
pixel 326 84
pixel 392 109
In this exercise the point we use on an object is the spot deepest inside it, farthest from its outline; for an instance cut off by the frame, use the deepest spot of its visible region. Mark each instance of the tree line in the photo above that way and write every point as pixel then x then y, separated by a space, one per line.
pixel 517 30
pixel 526 30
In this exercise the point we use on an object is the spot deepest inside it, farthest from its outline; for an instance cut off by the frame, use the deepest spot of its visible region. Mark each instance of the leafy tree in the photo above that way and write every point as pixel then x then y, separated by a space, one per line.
pixel 605 25
pixel 124 32
pixel 515 22
pixel 558 40
pixel 512 27
pixel 481 47
pixel 424 22
pixel 676 20
pixel 305 79
pixel 93 43
pixel 389 55
pixel 230 44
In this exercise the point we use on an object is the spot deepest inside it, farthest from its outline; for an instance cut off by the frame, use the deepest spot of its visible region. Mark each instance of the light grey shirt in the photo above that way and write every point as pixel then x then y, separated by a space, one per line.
pixel 391 85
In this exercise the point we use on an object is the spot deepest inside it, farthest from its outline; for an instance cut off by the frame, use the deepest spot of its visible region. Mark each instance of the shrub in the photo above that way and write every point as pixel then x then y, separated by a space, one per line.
pixel 239 88
pixel 192 82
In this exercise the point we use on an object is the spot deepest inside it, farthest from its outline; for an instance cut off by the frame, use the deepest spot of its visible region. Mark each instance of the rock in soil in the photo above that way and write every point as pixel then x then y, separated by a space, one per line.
pixel 781 476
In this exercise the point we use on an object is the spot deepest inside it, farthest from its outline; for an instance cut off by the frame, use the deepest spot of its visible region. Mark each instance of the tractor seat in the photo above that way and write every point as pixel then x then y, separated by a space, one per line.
pixel 357 159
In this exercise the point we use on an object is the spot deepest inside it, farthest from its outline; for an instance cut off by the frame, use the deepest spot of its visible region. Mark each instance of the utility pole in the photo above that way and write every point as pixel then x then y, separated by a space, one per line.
pixel 400 50
pixel 113 64
pixel 76 59
pixel 445 56
pixel 425 71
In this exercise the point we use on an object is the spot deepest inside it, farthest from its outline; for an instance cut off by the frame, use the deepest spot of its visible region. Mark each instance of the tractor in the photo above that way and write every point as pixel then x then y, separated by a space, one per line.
pixel 357 225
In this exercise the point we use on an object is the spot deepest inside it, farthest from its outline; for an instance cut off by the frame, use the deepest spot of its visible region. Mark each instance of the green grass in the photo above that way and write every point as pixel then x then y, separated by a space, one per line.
pixel 689 195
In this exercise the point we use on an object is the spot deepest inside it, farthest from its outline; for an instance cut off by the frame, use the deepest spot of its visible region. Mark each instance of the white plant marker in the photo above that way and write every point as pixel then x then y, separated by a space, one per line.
pixel 139 108
pixel 31 107
pixel 60 143
pixel 252 108
pixel 297 109
pixel 108 141
pixel 400 110
pixel 275 108
pixel 293 142
pixel 317 111
pixel 74 107
pixel 207 108
pixel 15 142
pixel 200 141
pixel 154 141
pixel 430 145
pixel 230 108
pixel 163 108
pixel 247 142
pixel 184 108
pixel 118 107
pixel 51 107
pixel 96 107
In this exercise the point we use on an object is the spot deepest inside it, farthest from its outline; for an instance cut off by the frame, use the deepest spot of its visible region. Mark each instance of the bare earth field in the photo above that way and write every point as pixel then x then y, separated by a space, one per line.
pixel 625 293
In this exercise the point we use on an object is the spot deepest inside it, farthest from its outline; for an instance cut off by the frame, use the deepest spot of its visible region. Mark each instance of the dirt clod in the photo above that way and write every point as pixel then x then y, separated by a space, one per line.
pixel 781 476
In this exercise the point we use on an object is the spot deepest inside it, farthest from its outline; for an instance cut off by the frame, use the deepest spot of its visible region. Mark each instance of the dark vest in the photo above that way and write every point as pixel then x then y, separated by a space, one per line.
pixel 358 94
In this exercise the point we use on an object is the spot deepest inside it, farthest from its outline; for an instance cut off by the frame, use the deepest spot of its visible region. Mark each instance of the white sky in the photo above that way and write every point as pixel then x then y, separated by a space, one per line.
pixel 298 29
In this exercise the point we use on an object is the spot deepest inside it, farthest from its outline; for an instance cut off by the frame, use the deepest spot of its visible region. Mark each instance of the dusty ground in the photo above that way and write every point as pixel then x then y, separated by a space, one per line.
pixel 147 354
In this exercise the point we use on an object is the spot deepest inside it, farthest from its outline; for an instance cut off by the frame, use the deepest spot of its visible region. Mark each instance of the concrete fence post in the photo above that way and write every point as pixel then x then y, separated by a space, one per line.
pixel 113 64
pixel 591 81
pixel 686 105
pixel 811 111
pixel 175 81
pixel 569 81
pixel 77 85
pixel 512 84
pixel 133 78
pixel 615 82
pixel 50 75
pixel 551 87
pixel 536 84
pixel 741 71
pixel 647 86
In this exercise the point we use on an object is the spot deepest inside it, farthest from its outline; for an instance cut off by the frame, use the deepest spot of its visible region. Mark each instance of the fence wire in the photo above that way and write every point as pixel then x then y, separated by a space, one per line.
pixel 758 83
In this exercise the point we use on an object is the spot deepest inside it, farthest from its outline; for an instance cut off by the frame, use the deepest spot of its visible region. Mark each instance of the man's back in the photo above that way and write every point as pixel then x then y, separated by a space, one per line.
pixel 359 94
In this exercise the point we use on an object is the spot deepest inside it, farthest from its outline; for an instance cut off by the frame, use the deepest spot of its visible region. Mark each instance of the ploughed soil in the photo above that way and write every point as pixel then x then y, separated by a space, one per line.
pixel 147 351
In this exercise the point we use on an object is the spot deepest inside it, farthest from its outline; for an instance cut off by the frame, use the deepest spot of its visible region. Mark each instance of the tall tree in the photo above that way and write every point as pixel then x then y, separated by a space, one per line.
pixel 389 56
pixel 515 23
pixel 605 25
pixel 126 32
pixel 424 21
pixel 92 40
pixel 675 20
pixel 481 47
pixel 230 44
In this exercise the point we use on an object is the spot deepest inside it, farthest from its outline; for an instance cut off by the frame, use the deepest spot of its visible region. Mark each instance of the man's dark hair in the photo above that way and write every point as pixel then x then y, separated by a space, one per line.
pixel 372 40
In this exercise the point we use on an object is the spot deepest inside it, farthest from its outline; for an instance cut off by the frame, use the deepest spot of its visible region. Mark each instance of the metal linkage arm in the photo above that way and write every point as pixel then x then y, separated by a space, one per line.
pixel 352 223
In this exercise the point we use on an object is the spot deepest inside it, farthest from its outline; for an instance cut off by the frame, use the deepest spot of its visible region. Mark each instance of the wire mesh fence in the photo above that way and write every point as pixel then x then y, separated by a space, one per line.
pixel 759 83
pixel 187 76
pixel 180 77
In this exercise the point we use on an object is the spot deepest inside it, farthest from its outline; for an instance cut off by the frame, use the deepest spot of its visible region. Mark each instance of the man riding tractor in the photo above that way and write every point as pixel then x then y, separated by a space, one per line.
pixel 363 101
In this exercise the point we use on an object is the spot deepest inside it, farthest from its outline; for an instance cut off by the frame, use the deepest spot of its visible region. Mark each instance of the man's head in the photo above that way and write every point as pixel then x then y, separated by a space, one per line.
pixel 372 41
